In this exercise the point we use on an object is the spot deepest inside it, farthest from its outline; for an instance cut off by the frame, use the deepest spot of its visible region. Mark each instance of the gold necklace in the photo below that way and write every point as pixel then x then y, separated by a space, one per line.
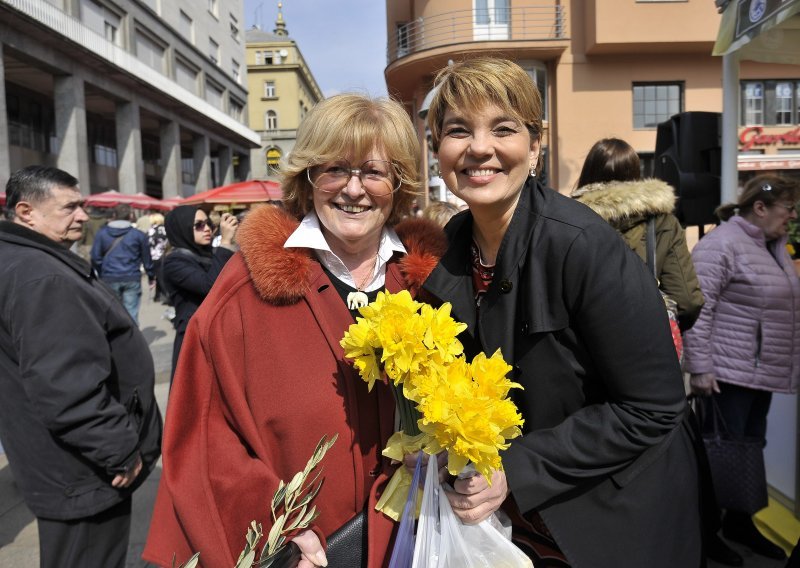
pixel 359 299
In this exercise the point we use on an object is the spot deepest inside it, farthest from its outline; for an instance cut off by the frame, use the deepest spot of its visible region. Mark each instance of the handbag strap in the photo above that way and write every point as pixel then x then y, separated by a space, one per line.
pixel 717 419
pixel 650 241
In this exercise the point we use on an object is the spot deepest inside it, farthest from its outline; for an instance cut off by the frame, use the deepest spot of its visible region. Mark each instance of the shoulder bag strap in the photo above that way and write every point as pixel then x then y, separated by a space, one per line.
pixel 113 245
pixel 651 246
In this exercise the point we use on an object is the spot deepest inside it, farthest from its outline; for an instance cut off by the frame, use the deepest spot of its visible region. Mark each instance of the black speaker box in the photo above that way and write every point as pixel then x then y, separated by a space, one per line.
pixel 688 156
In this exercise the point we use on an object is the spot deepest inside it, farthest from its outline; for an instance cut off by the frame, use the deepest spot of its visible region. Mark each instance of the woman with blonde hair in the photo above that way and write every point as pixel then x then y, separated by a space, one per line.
pixel 605 474
pixel 262 376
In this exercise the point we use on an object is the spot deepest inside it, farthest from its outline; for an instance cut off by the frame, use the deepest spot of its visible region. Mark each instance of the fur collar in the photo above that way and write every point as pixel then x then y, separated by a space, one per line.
pixel 618 200
pixel 283 275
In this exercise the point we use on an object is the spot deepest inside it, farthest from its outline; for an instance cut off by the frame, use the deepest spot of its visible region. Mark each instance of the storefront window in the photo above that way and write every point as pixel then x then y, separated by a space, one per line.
pixel 770 103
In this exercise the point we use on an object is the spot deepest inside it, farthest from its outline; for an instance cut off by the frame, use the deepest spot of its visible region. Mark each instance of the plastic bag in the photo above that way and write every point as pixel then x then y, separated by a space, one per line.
pixel 444 542
pixel 404 543
pixel 429 536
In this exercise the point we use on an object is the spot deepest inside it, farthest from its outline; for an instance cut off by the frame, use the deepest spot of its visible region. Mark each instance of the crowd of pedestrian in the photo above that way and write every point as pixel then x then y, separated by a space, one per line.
pixel 578 292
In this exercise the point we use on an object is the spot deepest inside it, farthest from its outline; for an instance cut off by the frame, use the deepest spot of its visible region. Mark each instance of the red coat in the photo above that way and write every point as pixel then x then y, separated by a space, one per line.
pixel 261 379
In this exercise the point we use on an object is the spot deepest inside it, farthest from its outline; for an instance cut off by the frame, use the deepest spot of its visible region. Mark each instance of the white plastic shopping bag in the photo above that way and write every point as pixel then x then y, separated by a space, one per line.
pixel 444 542
pixel 429 536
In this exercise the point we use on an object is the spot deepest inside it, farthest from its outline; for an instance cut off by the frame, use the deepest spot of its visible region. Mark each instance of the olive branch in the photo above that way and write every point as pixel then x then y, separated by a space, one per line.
pixel 291 511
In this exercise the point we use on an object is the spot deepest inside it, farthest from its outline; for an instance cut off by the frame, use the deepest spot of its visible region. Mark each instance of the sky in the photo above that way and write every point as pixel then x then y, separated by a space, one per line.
pixel 343 41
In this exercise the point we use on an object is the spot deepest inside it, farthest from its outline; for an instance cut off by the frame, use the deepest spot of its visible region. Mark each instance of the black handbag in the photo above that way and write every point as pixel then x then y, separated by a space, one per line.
pixel 346 547
pixel 737 466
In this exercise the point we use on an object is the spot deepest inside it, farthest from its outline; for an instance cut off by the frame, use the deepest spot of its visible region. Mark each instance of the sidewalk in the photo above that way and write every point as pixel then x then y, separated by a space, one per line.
pixel 19 539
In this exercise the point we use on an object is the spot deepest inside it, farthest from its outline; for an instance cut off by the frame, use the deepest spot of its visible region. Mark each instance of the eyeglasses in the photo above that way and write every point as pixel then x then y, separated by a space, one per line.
pixel 200 225
pixel 788 206
pixel 377 177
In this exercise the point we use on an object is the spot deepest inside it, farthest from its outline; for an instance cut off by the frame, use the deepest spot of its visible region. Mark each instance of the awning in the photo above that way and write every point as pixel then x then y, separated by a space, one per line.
pixel 761 30
pixel 113 198
pixel 768 162
pixel 252 191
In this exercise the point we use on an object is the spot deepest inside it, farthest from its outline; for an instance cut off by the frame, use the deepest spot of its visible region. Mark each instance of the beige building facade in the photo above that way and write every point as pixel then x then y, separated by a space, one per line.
pixel 604 67
pixel 281 92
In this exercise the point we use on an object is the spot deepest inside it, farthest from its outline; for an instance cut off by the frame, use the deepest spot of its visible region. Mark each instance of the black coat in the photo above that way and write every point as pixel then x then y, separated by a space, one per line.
pixel 188 278
pixel 76 380
pixel 606 457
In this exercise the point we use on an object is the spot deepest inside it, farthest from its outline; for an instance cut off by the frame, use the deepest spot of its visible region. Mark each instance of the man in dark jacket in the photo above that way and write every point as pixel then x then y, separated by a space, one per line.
pixel 78 415
pixel 119 249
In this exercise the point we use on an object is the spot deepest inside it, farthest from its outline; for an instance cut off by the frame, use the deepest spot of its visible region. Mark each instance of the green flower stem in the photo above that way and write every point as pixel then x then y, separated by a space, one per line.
pixel 409 415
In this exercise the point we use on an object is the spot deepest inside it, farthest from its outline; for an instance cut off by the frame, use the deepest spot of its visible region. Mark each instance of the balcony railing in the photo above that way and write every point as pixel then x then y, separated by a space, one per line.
pixel 74 30
pixel 522 23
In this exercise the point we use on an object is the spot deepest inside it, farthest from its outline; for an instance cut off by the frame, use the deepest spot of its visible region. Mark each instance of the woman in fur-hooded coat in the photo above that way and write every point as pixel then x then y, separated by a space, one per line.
pixel 627 206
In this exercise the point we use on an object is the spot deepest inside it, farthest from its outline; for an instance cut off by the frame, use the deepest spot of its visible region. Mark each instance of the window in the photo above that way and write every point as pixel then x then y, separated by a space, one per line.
pixel 770 103
pixel 753 103
pixel 213 50
pixel 269 89
pixel 271 120
pixel 213 7
pixel 235 110
pixel 187 170
pixel 784 103
pixel 303 110
pixel 273 161
pixel 538 72
pixel 186 26
pixel 267 57
pixel 402 39
pixel 102 20
pixel 186 76
pixel 102 138
pixel 214 95
pixel 234 29
pixel 235 71
pixel 149 51
pixel 491 12
pixel 655 102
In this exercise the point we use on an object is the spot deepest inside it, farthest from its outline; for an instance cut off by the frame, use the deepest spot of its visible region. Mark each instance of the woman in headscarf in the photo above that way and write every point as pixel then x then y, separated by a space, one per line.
pixel 191 266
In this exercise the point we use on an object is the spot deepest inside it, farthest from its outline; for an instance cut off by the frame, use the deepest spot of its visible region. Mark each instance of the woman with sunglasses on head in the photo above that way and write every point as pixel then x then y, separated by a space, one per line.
pixel 744 345
pixel 262 376
pixel 191 266
pixel 605 474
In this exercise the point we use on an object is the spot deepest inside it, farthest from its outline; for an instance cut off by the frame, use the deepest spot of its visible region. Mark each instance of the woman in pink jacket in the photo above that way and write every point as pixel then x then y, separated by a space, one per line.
pixel 744 346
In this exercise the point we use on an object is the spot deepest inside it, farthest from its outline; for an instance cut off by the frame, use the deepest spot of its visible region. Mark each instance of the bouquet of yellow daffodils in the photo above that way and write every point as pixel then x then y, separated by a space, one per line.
pixel 444 401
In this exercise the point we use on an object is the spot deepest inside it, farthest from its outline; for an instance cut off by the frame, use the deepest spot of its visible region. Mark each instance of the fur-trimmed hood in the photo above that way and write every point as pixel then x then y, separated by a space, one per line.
pixel 627 202
pixel 283 275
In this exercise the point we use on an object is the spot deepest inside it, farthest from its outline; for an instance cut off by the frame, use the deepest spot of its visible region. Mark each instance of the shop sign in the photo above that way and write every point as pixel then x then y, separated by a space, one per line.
pixel 754 136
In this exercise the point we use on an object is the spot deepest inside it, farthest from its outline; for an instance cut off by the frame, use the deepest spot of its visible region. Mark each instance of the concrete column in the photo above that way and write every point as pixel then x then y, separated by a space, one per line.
pixel 129 149
pixel 729 182
pixel 245 167
pixel 201 154
pixel 5 156
pixel 70 118
pixel 171 176
pixel 225 165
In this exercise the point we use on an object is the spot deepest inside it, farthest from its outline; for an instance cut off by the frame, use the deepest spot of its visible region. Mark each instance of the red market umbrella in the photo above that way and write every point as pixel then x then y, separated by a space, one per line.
pixel 2 198
pixel 251 191
pixel 112 198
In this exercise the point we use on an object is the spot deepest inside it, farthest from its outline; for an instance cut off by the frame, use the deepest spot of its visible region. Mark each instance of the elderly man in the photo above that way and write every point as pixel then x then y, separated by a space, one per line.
pixel 78 416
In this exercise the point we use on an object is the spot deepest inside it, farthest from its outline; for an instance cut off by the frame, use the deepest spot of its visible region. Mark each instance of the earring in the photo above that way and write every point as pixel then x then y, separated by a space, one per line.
pixel 533 170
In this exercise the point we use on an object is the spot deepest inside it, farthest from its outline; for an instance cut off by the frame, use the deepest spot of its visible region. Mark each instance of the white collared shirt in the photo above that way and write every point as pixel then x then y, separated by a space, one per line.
pixel 309 235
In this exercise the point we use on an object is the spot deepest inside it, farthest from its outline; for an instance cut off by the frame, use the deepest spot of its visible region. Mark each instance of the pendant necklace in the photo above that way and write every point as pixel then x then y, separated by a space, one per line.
pixel 359 299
